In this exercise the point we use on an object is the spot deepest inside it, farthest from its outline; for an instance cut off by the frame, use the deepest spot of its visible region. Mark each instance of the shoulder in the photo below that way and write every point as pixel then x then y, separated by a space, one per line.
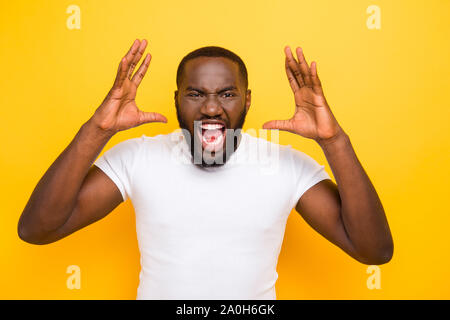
pixel 268 155
pixel 135 146
pixel 288 157
pixel 125 147
pixel 161 142
pixel 254 143
pixel 266 147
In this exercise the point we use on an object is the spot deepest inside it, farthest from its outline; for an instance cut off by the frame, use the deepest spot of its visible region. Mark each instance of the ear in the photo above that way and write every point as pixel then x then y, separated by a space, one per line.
pixel 248 100
pixel 175 98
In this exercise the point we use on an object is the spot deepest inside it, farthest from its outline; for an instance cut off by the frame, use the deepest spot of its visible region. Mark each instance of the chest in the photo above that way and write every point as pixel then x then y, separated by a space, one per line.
pixel 240 200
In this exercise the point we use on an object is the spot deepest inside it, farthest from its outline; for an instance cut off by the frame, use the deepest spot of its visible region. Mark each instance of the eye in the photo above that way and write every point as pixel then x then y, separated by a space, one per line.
pixel 229 95
pixel 194 94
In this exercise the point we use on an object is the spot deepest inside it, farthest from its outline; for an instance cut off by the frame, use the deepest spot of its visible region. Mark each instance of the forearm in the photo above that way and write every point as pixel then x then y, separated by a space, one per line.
pixel 55 195
pixel 362 213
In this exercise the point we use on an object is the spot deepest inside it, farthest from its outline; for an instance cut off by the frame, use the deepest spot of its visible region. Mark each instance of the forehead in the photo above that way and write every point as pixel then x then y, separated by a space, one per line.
pixel 210 73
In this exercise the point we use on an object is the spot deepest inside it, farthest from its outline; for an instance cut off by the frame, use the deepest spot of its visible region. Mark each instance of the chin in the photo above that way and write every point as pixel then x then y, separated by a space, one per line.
pixel 207 159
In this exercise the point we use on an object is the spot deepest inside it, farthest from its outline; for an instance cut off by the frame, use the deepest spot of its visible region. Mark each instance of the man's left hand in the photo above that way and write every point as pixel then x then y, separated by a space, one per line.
pixel 313 117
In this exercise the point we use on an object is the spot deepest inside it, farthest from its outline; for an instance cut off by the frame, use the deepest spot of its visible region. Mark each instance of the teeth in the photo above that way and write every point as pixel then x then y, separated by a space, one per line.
pixel 211 126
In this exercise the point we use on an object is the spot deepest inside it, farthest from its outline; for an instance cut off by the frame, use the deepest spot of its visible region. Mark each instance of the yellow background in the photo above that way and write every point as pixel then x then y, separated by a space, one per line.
pixel 388 89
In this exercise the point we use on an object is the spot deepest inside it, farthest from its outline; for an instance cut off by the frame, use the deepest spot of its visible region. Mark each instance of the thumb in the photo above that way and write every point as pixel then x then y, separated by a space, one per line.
pixel 146 117
pixel 283 125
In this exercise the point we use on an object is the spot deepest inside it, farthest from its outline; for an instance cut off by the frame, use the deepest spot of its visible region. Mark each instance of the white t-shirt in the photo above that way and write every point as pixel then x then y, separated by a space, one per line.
pixel 213 233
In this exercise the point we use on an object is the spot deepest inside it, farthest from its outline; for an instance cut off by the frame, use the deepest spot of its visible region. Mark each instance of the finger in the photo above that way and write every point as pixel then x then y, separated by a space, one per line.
pixel 317 85
pixel 146 117
pixel 124 65
pixel 291 78
pixel 137 56
pixel 121 73
pixel 139 75
pixel 304 68
pixel 293 65
pixel 283 125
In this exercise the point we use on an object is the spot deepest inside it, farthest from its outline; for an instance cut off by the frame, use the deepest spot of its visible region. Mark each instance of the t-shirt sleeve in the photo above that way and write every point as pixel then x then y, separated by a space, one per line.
pixel 307 172
pixel 118 163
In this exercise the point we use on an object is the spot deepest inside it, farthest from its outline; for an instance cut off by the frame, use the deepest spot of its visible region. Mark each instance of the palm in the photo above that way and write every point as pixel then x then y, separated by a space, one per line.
pixel 119 110
pixel 312 118
pixel 123 112
pixel 129 116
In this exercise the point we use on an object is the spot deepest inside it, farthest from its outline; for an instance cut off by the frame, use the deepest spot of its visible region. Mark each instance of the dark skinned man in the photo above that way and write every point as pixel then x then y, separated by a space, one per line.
pixel 210 223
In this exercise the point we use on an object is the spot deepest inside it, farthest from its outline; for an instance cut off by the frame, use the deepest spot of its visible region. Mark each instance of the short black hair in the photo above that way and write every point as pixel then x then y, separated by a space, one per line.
pixel 213 51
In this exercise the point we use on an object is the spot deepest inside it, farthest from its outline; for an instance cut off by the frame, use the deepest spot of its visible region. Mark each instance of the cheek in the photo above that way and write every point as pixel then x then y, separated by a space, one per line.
pixel 188 115
pixel 234 114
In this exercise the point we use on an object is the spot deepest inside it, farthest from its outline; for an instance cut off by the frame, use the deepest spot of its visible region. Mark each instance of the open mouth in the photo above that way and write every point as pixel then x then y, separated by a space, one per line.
pixel 212 135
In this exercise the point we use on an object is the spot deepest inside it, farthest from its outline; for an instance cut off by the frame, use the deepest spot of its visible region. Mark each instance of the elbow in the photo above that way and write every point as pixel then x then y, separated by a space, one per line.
pixel 27 236
pixel 21 230
pixel 387 254
pixel 24 234
pixel 382 257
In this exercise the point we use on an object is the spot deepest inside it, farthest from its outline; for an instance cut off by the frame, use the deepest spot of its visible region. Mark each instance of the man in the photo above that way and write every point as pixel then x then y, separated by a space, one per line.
pixel 211 227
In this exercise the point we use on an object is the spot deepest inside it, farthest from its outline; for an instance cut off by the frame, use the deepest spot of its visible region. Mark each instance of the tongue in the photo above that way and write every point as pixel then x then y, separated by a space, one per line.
pixel 212 135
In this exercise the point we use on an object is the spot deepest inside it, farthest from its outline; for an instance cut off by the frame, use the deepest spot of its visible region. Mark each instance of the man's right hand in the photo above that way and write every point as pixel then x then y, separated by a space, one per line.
pixel 119 111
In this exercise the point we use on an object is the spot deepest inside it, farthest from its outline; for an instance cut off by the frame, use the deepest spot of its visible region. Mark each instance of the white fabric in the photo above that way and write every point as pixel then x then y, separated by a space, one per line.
pixel 211 233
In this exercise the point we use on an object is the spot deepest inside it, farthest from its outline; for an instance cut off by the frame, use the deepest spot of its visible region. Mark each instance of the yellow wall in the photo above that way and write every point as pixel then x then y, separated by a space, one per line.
pixel 388 89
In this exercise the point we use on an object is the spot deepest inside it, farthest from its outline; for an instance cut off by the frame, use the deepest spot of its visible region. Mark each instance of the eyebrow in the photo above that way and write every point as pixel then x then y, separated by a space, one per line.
pixel 220 91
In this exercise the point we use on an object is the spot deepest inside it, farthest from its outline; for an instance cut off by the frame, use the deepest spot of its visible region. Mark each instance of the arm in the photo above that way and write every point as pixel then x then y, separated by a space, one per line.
pixel 56 195
pixel 350 214
pixel 73 193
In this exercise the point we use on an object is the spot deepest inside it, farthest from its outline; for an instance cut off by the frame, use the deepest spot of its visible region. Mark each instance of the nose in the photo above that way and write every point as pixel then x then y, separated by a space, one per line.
pixel 211 107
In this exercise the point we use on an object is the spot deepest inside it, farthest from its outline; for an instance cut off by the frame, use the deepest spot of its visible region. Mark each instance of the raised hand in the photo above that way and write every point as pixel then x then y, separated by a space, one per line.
pixel 312 118
pixel 119 111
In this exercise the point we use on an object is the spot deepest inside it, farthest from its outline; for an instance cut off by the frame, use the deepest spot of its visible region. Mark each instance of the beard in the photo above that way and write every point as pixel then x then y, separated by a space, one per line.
pixel 212 159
